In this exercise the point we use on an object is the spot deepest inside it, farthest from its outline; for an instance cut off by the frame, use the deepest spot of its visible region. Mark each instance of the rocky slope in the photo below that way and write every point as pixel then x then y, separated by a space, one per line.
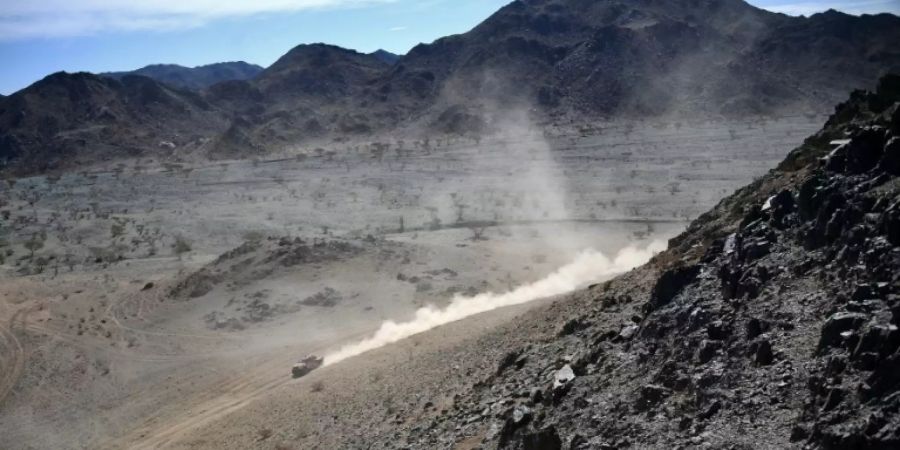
pixel 194 78
pixel 66 119
pixel 558 60
pixel 770 323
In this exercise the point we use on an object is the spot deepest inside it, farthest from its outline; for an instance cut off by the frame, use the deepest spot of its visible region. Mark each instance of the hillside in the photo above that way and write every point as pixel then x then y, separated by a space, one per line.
pixel 193 78
pixel 68 119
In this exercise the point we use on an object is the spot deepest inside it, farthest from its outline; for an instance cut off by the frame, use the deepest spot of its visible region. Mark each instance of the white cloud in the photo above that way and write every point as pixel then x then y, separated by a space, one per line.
pixel 849 7
pixel 54 18
pixel 398 29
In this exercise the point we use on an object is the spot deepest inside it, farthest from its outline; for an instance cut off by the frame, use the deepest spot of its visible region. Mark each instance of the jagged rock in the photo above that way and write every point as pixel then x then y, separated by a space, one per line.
pixel 509 360
pixel 836 161
pixel 890 159
pixel 707 351
pixel 670 284
pixel 890 223
pixel 883 340
pixel 536 396
pixel 779 206
pixel 521 415
pixel 650 396
pixel 836 325
pixel 835 397
pixel 865 149
pixel 884 378
pixel 628 332
pixel 562 379
pixel 545 439
pixel 755 327
pixel 571 327
pixel 712 410
pixel 762 352
pixel 755 248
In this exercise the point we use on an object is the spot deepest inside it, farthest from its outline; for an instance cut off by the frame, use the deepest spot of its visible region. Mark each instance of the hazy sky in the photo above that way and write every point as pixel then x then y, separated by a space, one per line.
pixel 39 37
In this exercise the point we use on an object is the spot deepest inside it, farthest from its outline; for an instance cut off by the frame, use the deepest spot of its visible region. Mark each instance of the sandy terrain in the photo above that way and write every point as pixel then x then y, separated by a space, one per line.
pixel 103 346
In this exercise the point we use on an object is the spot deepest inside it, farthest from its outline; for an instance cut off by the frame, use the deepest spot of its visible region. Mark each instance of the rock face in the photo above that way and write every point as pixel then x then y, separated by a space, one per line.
pixel 772 323
pixel 560 60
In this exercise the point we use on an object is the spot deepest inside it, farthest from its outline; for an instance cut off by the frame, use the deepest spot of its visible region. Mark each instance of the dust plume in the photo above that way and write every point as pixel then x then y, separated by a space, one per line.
pixel 589 266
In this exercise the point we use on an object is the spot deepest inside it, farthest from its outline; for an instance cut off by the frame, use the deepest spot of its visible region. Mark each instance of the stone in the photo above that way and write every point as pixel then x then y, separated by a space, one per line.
pixel 890 159
pixel 521 415
pixel 763 354
pixel 865 149
pixel 509 359
pixel 754 328
pixel 712 410
pixel 718 331
pixel 545 439
pixel 628 332
pixel 707 351
pixel 563 377
pixel 835 397
pixel 650 396
pixel 836 325
pixel 671 283
pixel 571 327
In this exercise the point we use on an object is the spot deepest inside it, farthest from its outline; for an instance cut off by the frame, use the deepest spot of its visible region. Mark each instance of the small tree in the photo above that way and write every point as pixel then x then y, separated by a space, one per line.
pixel 34 244
pixel 181 246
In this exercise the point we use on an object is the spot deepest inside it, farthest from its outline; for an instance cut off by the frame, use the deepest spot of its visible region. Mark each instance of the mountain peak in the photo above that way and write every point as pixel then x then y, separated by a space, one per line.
pixel 386 56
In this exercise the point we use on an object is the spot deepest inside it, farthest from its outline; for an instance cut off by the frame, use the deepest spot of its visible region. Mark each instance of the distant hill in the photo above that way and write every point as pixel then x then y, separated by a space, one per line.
pixel 386 56
pixel 560 61
pixel 195 78
pixel 66 119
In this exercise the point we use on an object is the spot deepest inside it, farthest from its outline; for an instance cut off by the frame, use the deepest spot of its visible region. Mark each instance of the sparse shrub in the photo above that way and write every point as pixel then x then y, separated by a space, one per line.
pixel 35 243
pixel 181 246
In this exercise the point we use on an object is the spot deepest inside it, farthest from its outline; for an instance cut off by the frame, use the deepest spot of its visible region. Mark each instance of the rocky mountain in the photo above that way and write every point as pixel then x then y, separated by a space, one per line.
pixel 561 61
pixel 386 56
pixel 772 322
pixel 592 58
pixel 194 78
pixel 66 119
pixel 312 91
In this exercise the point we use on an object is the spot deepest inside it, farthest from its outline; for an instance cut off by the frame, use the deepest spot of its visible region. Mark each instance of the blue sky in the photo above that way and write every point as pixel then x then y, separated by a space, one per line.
pixel 39 37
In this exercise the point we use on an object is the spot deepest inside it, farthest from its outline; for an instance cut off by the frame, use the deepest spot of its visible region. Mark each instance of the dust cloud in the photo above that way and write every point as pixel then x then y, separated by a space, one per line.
pixel 589 266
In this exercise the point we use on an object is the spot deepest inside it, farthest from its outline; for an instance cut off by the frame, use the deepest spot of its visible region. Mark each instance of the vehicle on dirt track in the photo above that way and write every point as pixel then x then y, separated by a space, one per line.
pixel 306 365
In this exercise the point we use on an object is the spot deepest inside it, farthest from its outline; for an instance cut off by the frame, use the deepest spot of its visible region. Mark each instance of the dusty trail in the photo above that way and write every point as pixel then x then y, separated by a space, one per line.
pixel 215 402
pixel 12 356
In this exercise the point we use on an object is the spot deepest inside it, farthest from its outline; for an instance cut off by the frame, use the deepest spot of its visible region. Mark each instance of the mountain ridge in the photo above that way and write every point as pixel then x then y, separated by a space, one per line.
pixel 194 78
pixel 560 61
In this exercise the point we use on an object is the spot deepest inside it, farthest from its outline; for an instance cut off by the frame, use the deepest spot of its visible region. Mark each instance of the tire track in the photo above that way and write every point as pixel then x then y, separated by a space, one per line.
pixel 215 402
pixel 13 359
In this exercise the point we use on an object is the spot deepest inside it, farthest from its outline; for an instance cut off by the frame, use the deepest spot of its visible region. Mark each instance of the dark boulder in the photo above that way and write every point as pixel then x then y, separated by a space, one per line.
pixel 890 159
pixel 838 324
pixel 865 149
pixel 671 283
pixel 545 439
pixel 650 396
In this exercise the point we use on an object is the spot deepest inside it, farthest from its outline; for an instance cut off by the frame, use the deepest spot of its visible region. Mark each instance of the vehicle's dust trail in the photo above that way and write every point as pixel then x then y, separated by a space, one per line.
pixel 589 266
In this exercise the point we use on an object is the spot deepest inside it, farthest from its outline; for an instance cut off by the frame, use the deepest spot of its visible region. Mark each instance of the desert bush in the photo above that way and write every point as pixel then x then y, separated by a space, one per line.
pixel 181 246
